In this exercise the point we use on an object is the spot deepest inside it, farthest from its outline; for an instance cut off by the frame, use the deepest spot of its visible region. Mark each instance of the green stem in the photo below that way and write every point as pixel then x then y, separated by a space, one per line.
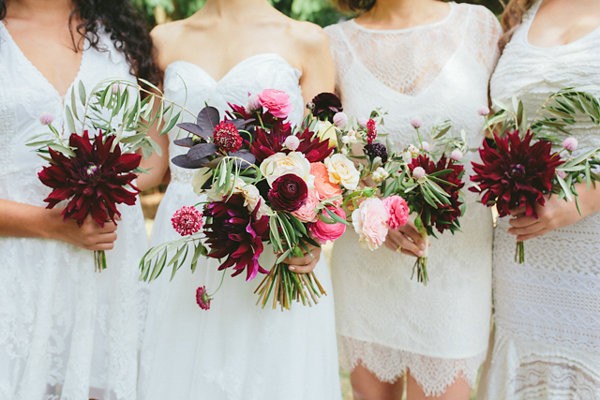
pixel 520 253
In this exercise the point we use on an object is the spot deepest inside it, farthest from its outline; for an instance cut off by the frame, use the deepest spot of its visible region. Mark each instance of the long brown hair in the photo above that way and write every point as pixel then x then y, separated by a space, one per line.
pixel 511 18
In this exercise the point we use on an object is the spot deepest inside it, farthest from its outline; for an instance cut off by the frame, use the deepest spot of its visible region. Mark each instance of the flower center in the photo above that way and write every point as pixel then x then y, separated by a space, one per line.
pixel 517 171
pixel 92 169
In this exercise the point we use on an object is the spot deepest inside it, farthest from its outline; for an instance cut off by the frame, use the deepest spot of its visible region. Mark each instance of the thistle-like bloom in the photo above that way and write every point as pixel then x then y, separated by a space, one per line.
pixel 236 234
pixel 202 298
pixel 187 220
pixel 373 150
pixel 515 174
pixel 93 181
pixel 227 138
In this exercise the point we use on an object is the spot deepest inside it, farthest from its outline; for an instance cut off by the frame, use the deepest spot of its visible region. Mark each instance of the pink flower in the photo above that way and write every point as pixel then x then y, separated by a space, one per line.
pixel 227 137
pixel 416 123
pixel 418 173
pixel 562 174
pixel 484 111
pixel 323 231
pixel 370 222
pixel 46 119
pixel 398 211
pixel 570 143
pixel 456 155
pixel 253 103
pixel 340 119
pixel 371 130
pixel 276 102
pixel 308 211
pixel 326 189
pixel 202 298
pixel 291 142
pixel 187 220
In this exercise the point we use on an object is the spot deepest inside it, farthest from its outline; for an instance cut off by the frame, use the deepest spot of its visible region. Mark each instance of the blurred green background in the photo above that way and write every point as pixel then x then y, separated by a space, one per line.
pixel 317 11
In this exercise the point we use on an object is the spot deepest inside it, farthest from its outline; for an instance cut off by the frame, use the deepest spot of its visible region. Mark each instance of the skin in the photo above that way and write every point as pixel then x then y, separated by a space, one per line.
pixel 559 22
pixel 391 15
pixel 231 31
pixel 40 29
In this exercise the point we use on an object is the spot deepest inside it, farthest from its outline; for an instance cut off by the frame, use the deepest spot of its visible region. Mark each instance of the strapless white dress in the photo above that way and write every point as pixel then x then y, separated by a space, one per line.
pixel 236 350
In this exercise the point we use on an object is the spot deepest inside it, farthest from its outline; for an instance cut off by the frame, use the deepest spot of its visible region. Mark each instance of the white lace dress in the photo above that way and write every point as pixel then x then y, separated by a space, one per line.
pixel 65 331
pixel 235 350
pixel 547 311
pixel 387 321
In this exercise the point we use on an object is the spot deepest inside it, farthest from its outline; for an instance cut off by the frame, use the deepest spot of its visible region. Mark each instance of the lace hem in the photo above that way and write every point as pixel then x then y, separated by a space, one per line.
pixel 433 375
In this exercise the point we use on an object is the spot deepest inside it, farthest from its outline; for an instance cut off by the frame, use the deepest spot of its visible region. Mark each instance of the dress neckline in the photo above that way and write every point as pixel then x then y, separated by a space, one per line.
pixel 532 14
pixel 430 25
pixel 38 72
pixel 235 67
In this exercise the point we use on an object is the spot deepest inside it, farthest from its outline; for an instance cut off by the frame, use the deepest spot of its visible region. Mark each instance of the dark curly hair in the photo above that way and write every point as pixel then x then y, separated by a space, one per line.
pixel 127 29
pixel 354 5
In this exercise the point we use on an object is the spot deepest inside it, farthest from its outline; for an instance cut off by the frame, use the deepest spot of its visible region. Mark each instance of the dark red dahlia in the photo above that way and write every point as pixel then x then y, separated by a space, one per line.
pixel 202 298
pixel 325 105
pixel 448 175
pixel 236 234
pixel 266 144
pixel 516 173
pixel 371 130
pixel 288 193
pixel 93 181
pixel 226 137
pixel 373 150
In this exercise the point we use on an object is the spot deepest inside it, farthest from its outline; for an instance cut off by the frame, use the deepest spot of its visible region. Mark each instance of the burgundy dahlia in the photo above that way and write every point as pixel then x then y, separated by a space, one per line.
pixel 266 144
pixel 226 137
pixel 325 105
pixel 236 234
pixel 93 181
pixel 373 150
pixel 516 173
pixel 288 193
pixel 449 177
pixel 202 298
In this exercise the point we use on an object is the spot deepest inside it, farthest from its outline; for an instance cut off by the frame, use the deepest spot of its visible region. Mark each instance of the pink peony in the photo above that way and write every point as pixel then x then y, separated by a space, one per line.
pixel 370 222
pixel 398 211
pixel 202 298
pixel 326 189
pixel 323 231
pixel 187 220
pixel 276 102
pixel 308 211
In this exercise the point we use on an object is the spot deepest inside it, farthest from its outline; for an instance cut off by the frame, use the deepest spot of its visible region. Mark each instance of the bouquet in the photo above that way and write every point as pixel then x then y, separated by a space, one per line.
pixel 266 183
pixel 531 159
pixel 94 173
pixel 423 179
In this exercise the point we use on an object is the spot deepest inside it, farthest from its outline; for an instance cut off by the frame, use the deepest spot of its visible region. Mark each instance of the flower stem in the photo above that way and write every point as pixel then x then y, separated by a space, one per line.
pixel 520 253
pixel 99 260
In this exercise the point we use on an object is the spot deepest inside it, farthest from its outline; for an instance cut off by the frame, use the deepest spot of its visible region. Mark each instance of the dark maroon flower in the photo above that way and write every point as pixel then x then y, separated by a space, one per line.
pixel 266 144
pixel 325 105
pixel 236 234
pixel 288 193
pixel 371 130
pixel 93 181
pixel 202 298
pixel 449 177
pixel 373 150
pixel 227 138
pixel 516 173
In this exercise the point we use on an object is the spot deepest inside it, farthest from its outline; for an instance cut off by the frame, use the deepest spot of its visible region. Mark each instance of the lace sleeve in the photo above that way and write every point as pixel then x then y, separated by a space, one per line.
pixel 341 52
pixel 484 31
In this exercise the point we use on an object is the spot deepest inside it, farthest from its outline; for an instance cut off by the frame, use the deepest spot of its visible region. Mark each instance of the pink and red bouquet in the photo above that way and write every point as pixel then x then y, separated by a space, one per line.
pixel 267 182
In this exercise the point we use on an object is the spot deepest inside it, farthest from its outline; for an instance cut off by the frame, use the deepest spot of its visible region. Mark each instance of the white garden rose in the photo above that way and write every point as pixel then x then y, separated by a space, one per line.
pixel 252 197
pixel 327 131
pixel 280 164
pixel 342 171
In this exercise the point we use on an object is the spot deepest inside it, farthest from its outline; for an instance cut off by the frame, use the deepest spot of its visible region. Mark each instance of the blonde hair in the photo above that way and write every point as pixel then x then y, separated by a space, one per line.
pixel 511 18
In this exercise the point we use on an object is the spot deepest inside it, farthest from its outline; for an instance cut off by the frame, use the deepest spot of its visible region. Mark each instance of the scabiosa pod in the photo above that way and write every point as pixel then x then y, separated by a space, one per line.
pixel 227 137
pixel 46 119
pixel 202 298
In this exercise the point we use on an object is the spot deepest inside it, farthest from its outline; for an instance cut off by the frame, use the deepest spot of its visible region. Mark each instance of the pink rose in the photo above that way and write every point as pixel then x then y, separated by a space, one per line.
pixel 398 211
pixel 323 232
pixel 308 211
pixel 326 189
pixel 276 102
pixel 370 222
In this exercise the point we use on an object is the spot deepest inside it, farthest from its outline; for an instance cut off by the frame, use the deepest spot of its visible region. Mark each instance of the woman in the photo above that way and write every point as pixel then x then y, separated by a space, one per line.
pixel 426 60
pixel 547 311
pixel 236 350
pixel 65 331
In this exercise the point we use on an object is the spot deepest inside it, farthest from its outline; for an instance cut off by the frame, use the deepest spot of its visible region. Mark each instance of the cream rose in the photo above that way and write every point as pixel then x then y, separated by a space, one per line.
pixel 342 171
pixel 280 164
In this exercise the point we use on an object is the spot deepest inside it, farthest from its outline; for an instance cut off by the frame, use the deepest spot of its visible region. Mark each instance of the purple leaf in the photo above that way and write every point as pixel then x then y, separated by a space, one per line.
pixel 208 118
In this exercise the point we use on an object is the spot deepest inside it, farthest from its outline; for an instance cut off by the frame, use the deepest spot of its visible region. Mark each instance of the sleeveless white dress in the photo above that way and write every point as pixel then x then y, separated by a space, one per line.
pixel 547 311
pixel 66 332
pixel 235 350
pixel 387 321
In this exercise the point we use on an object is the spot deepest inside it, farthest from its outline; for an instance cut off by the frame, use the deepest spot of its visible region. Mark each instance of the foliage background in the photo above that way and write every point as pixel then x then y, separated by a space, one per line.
pixel 317 11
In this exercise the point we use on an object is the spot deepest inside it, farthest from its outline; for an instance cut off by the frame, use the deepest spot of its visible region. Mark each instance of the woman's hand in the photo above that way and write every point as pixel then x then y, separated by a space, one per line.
pixel 406 240
pixel 88 236
pixel 306 263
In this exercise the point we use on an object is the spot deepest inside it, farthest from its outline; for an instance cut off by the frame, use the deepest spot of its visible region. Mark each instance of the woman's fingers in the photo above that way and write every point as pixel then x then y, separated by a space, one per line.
pixel 306 263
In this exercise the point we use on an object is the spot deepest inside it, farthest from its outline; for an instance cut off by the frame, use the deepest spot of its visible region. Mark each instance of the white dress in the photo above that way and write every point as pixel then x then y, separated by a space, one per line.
pixel 547 311
pixel 235 350
pixel 65 331
pixel 387 321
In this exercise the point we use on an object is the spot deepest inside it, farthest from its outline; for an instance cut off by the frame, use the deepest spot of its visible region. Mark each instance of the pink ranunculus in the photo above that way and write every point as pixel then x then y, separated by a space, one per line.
pixel 398 211
pixel 276 102
pixel 323 231
pixel 326 189
pixel 308 211
pixel 370 222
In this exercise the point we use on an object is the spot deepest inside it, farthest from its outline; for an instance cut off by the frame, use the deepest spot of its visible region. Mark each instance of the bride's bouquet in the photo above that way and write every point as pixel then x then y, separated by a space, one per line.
pixel 94 173
pixel 531 159
pixel 425 179
pixel 266 182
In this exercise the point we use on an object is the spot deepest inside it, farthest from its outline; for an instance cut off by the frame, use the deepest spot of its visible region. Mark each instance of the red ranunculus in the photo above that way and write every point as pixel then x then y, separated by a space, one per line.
pixel 288 193
pixel 93 181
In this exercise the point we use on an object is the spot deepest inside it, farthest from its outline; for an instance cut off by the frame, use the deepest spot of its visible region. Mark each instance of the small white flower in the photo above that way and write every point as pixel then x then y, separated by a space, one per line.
pixel 484 111
pixel 340 119
pixel 380 174
pixel 570 143
pixel 416 123
pixel 46 118
pixel 253 103
pixel 291 142
pixel 418 173
pixel 425 146
pixel 456 155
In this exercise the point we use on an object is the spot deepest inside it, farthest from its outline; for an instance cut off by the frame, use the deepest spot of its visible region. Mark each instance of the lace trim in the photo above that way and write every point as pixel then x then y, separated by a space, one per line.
pixel 433 375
